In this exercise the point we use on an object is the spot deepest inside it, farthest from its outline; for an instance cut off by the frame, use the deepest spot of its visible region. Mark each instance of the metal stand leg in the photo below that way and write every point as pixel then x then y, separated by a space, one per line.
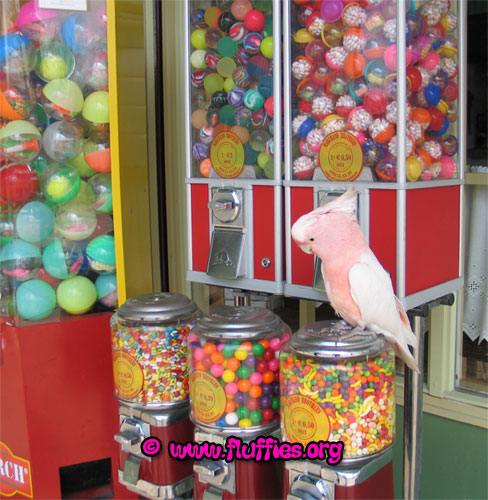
pixel 413 396
pixel 412 424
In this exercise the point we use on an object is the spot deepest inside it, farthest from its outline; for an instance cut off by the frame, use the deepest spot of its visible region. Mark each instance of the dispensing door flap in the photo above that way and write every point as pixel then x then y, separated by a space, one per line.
pixel 318 279
pixel 131 470
pixel 226 251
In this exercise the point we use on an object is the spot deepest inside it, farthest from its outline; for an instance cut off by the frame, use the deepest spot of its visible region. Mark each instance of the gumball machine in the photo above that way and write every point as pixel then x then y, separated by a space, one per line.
pixel 150 335
pixel 370 104
pixel 233 137
pixel 234 392
pixel 338 402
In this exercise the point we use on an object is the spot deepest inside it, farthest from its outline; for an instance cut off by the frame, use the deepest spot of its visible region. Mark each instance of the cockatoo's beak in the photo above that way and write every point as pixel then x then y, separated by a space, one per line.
pixel 306 248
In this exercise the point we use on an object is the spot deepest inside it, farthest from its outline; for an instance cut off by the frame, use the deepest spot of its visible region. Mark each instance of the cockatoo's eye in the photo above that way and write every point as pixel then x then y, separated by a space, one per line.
pixel 311 239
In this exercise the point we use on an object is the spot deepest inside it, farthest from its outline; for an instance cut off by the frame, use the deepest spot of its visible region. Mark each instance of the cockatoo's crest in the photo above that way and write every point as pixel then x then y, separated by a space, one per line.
pixel 303 231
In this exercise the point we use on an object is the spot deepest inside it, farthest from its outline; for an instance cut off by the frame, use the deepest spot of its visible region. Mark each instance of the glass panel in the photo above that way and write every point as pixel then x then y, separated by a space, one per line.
pixel 344 90
pixel 57 252
pixel 474 344
pixel 231 65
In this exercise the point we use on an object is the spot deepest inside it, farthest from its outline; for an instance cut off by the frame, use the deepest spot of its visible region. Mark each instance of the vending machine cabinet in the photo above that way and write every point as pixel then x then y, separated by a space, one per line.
pixel 316 481
pixel 381 109
pixel 233 122
pixel 159 476
pixel 218 479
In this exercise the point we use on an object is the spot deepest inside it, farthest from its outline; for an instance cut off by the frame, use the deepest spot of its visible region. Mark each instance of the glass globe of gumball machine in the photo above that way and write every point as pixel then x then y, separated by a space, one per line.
pixel 338 402
pixel 150 342
pixel 234 391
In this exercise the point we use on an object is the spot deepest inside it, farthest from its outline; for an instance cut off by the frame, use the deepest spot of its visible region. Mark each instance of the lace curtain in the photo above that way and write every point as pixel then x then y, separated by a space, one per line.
pixel 475 320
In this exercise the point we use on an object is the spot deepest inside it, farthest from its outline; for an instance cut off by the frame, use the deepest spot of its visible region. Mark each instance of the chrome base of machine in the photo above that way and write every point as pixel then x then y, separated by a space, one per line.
pixel 316 480
pixel 181 490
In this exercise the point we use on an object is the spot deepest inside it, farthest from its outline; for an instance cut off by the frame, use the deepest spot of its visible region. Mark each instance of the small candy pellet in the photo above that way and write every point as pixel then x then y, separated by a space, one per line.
pixel 357 396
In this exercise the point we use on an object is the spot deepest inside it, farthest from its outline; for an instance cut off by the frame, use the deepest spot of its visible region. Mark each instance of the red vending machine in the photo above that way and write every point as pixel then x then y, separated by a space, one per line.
pixel 233 135
pixel 234 391
pixel 58 284
pixel 150 360
pixel 380 107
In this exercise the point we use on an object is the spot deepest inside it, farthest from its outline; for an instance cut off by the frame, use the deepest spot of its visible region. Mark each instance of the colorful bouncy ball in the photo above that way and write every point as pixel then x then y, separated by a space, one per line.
pixel 62 140
pixel 35 300
pixel 19 141
pixel 75 220
pixel 54 60
pixel 60 182
pixel 101 254
pixel 18 183
pixel 34 222
pixel 19 260
pixel 76 295
pixel 106 285
pixel 62 259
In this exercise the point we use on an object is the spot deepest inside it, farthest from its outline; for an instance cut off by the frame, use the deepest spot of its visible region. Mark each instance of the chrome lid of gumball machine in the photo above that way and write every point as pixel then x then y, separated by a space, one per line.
pixel 156 307
pixel 336 339
pixel 239 322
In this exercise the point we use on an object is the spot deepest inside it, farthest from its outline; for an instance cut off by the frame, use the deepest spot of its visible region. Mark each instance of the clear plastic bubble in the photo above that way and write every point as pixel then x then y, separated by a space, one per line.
pixel 20 260
pixel 52 61
pixel 62 258
pixel 62 140
pixel 75 221
pixel 102 187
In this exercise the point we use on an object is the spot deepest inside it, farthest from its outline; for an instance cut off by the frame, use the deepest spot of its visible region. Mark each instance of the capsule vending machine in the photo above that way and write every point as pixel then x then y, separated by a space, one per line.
pixel 234 171
pixel 381 108
pixel 235 402
pixel 378 107
pixel 149 345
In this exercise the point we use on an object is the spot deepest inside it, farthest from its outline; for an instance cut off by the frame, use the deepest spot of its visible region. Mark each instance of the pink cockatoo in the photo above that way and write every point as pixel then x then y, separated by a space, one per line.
pixel 357 286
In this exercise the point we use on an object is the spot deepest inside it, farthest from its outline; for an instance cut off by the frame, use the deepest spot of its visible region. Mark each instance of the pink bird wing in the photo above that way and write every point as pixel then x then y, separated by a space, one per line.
pixel 372 291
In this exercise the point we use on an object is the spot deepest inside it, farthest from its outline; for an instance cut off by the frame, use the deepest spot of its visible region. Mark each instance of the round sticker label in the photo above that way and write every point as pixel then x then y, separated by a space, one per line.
pixel 227 155
pixel 207 396
pixel 341 157
pixel 305 420
pixel 128 375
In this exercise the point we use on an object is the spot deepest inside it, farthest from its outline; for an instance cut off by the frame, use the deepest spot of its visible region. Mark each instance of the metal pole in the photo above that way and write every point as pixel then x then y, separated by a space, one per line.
pixel 242 298
pixel 412 424
pixel 413 397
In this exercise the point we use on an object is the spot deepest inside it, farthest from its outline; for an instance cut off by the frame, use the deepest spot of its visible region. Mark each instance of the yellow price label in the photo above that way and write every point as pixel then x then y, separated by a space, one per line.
pixel 128 375
pixel 341 157
pixel 227 155
pixel 207 397
pixel 305 420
